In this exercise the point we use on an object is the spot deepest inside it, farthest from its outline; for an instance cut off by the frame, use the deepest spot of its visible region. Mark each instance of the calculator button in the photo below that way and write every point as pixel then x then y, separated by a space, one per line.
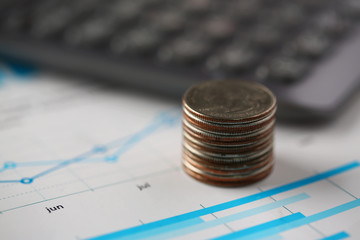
pixel 265 36
pixel 233 59
pixel 312 44
pixel 282 70
pixel 143 41
pixel 168 21
pixel 218 27
pixel 185 49
pixel 331 23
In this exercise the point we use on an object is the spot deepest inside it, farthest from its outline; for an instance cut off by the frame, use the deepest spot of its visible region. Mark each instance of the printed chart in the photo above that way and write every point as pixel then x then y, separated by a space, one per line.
pixel 118 146
pixel 191 222
pixel 81 161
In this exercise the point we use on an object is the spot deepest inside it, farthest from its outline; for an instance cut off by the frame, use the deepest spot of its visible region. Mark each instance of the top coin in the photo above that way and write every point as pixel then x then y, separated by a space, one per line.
pixel 229 101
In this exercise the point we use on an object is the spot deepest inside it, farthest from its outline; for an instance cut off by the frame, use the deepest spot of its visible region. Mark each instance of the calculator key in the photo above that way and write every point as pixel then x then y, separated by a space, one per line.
pixel 244 10
pixel 265 36
pixel 287 15
pixel 351 8
pixel 90 32
pixel 233 59
pixel 185 49
pixel 43 7
pixel 14 21
pixel 168 21
pixel 312 44
pixel 197 6
pixel 142 41
pixel 52 22
pixel 125 11
pixel 282 70
pixel 331 23
pixel 218 27
pixel 312 5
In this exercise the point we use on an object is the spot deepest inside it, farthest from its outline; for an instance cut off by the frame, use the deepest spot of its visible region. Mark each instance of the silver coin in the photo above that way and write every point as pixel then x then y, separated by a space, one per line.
pixel 229 100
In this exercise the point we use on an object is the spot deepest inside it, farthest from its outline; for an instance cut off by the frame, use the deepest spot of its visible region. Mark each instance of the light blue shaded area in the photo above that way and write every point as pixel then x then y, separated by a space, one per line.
pixel 262 227
pixel 337 236
pixel 233 217
pixel 233 203
pixel 159 230
pixel 310 219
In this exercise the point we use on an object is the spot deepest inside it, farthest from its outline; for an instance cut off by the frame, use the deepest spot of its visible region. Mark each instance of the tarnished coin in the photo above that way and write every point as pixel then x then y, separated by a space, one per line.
pixel 227 150
pixel 228 132
pixel 221 164
pixel 226 145
pixel 223 182
pixel 228 167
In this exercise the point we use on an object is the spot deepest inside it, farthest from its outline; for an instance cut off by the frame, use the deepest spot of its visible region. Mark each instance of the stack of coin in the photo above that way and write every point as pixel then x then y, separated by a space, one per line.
pixel 228 132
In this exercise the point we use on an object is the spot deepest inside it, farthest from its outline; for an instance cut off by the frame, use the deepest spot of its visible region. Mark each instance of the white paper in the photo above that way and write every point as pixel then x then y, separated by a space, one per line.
pixel 79 161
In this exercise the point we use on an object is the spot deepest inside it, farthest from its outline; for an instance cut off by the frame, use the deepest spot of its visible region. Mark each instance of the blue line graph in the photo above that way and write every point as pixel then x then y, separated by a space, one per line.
pixel 121 145
pixel 193 221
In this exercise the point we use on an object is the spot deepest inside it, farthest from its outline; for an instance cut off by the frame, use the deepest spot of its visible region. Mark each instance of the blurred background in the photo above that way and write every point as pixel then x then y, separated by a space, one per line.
pixel 307 52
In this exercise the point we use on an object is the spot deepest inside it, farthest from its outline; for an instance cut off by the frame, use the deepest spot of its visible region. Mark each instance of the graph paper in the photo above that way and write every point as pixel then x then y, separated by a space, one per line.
pixel 83 161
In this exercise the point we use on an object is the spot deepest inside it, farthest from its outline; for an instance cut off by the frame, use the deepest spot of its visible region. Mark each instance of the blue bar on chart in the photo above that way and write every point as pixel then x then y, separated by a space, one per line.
pixel 223 220
pixel 337 236
pixel 262 227
pixel 230 204
pixel 175 230
pixel 261 233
